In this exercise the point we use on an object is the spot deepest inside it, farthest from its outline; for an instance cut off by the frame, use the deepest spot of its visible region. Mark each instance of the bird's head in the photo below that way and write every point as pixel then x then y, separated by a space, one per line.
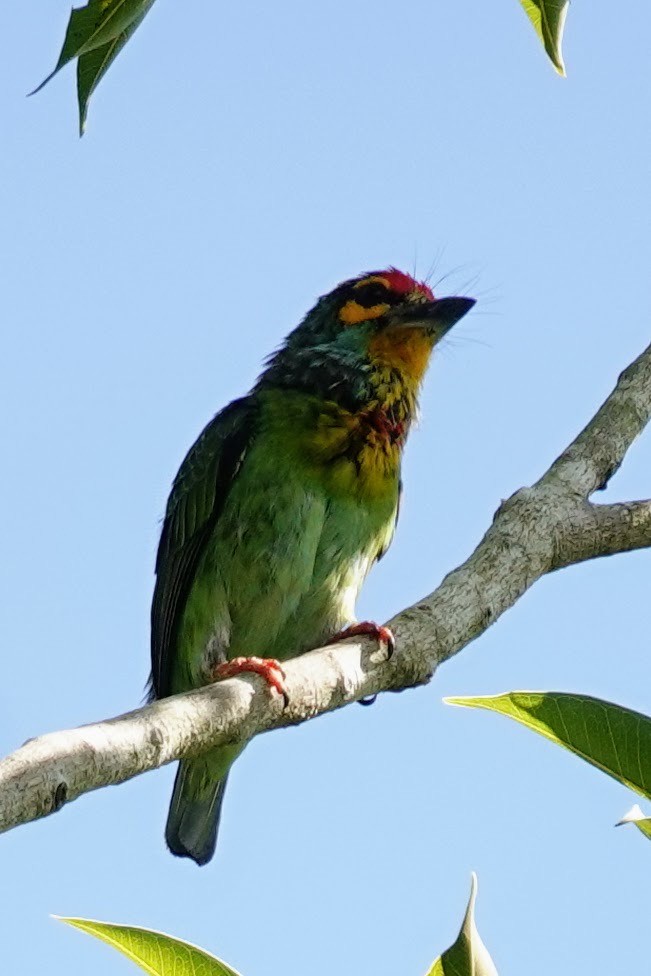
pixel 370 334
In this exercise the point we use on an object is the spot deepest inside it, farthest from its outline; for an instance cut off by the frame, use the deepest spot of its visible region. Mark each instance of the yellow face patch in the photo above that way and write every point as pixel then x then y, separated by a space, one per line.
pixel 352 312
pixel 408 350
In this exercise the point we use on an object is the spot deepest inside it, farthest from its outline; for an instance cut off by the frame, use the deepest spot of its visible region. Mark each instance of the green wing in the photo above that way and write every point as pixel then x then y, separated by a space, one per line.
pixel 197 498
pixel 385 548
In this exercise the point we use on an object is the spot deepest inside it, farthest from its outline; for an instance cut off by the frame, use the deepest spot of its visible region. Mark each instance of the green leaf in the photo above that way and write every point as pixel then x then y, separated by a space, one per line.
pixel 468 956
pixel 548 19
pixel 636 816
pixel 156 953
pixel 96 26
pixel 94 64
pixel 615 739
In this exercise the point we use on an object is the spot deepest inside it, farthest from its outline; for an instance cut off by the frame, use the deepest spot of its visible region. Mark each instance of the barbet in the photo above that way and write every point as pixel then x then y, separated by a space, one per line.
pixel 283 504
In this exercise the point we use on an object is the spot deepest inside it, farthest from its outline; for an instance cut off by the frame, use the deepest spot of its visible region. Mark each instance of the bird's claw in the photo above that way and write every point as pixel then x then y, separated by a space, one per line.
pixel 367 628
pixel 367 700
pixel 267 667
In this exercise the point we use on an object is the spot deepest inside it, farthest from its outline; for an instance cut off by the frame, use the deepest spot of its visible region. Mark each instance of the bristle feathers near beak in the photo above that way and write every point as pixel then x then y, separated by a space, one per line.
pixel 437 316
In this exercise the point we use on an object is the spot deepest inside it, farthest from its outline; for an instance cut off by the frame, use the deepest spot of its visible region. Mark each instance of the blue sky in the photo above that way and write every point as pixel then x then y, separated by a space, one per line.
pixel 239 161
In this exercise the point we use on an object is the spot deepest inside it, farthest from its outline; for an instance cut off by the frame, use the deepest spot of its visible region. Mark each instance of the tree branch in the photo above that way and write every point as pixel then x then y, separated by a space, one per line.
pixel 605 530
pixel 536 531
pixel 595 455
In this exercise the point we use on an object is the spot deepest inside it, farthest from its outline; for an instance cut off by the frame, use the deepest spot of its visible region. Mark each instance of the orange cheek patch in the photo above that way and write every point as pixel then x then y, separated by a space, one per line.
pixel 408 350
pixel 352 312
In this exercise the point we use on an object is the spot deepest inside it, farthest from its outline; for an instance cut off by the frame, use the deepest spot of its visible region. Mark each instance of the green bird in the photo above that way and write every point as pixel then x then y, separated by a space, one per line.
pixel 281 507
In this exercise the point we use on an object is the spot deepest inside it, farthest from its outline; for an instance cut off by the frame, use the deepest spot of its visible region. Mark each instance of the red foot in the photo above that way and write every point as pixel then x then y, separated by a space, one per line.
pixel 366 627
pixel 266 667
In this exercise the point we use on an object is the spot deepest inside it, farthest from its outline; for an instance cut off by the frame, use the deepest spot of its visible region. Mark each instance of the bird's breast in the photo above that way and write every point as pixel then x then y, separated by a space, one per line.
pixel 352 454
pixel 357 453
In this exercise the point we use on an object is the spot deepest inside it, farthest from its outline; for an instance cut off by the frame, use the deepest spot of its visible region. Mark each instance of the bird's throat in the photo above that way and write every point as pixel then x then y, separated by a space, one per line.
pixel 404 350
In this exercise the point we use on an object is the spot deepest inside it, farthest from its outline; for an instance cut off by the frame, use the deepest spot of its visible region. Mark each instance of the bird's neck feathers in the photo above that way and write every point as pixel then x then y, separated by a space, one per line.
pixel 385 381
pixel 345 400
pixel 347 416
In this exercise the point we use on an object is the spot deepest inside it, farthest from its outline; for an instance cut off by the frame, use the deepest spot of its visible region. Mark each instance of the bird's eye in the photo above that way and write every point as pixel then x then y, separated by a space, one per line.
pixel 373 293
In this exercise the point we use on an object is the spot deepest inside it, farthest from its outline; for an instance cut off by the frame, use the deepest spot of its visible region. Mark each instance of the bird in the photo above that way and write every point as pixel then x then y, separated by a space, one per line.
pixel 281 507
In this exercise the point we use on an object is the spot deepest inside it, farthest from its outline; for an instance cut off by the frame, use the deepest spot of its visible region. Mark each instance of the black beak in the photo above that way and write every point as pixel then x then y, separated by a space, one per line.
pixel 437 316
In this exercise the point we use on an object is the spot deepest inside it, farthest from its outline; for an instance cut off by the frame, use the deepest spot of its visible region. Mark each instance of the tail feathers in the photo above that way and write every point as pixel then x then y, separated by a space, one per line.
pixel 193 819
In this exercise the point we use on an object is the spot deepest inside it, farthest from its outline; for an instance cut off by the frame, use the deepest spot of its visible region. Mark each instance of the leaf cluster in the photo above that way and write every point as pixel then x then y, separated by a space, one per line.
pixel 97 33
pixel 615 739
